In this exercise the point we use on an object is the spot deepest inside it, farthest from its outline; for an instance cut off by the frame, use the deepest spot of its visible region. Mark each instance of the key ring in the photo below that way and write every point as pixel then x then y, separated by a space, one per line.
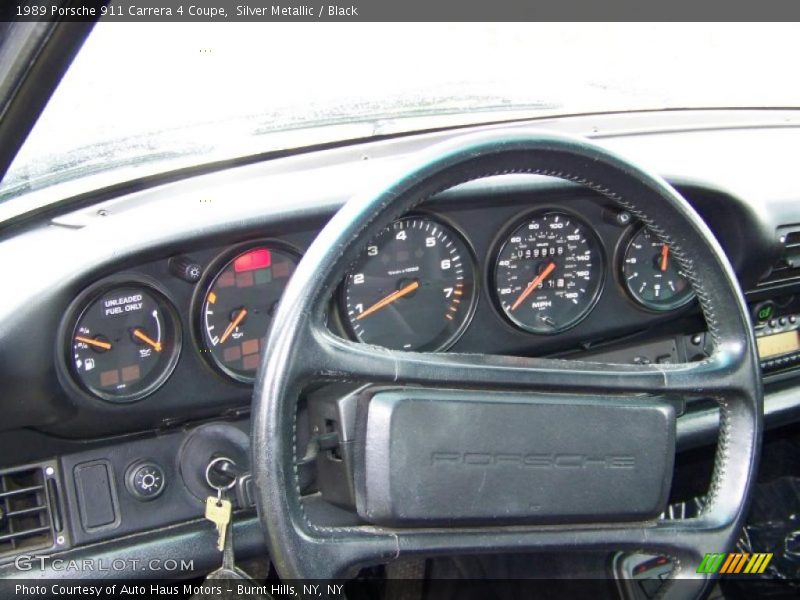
pixel 219 488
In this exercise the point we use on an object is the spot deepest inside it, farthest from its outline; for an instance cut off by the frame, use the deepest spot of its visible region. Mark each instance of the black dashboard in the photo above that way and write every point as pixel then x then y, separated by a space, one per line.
pixel 190 379
pixel 160 279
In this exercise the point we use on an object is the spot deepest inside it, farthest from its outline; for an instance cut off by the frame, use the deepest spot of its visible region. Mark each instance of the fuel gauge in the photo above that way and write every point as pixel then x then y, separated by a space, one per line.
pixel 125 343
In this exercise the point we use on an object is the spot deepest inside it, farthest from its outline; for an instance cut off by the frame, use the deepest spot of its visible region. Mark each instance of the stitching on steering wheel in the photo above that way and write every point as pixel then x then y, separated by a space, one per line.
pixel 721 462
pixel 722 457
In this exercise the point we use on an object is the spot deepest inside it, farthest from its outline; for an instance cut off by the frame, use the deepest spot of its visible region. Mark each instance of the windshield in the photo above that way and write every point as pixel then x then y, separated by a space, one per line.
pixel 144 97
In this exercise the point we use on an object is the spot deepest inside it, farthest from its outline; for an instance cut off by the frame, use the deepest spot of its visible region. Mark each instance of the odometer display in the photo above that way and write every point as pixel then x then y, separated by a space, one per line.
pixel 413 288
pixel 548 273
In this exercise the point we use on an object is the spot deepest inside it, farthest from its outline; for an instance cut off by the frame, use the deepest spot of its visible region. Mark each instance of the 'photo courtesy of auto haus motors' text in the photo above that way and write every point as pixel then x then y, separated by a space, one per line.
pixel 388 300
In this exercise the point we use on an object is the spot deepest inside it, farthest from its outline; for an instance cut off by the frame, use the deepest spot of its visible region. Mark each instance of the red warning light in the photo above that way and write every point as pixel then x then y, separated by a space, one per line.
pixel 253 260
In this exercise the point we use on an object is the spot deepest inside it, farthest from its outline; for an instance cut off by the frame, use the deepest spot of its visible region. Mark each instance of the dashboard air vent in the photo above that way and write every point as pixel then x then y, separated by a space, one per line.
pixel 26 522
pixel 787 268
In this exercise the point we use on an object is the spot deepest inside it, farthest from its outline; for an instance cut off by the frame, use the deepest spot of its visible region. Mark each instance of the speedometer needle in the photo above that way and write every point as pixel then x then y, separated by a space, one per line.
pixel 389 299
pixel 664 257
pixel 233 325
pixel 138 333
pixel 533 284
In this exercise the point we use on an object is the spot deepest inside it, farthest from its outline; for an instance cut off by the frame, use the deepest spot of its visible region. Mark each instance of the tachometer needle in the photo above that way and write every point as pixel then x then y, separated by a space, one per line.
pixel 91 342
pixel 233 325
pixel 534 284
pixel 389 299
pixel 664 258
pixel 138 333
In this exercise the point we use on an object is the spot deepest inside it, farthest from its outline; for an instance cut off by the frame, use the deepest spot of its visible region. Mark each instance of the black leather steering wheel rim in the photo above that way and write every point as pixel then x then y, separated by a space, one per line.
pixel 301 349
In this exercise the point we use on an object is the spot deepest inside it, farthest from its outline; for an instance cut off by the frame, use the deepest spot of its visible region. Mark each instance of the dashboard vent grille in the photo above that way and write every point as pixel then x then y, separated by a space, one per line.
pixel 787 268
pixel 26 522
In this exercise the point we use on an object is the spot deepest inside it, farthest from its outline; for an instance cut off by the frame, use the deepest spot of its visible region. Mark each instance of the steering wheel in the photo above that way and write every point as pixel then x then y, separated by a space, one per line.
pixel 301 349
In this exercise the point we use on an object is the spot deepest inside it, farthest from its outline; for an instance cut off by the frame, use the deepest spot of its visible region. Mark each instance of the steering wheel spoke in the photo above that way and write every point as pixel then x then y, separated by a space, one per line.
pixel 340 359
pixel 330 553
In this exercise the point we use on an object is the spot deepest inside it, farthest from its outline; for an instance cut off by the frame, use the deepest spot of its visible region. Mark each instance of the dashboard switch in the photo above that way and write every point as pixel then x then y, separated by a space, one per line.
pixel 764 311
pixel 621 218
pixel 145 480
pixel 185 269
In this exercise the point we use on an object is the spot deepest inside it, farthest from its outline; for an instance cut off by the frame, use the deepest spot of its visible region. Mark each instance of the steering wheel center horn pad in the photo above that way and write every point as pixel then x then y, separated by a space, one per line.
pixel 435 458
pixel 557 407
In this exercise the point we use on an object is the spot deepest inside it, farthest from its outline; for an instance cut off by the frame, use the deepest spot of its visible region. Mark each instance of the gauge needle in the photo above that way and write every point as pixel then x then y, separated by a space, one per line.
pixel 91 342
pixel 664 257
pixel 389 299
pixel 233 325
pixel 143 336
pixel 533 284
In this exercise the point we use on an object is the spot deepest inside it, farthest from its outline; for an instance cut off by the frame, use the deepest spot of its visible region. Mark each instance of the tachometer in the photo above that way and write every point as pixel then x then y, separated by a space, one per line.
pixel 548 273
pixel 414 288
pixel 651 275
pixel 238 308
pixel 125 343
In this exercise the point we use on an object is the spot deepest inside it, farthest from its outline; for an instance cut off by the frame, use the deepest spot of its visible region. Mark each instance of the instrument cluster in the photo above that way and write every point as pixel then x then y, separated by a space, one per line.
pixel 415 287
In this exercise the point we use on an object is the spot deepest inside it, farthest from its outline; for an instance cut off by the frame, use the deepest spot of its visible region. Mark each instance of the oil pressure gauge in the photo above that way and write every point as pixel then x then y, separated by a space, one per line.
pixel 238 306
pixel 651 275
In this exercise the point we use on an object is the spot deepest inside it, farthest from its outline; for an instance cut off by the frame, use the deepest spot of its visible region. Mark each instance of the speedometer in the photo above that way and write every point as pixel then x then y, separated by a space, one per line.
pixel 548 273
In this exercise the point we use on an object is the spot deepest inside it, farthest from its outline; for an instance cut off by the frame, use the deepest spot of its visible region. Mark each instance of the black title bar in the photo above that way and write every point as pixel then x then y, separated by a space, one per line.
pixel 220 11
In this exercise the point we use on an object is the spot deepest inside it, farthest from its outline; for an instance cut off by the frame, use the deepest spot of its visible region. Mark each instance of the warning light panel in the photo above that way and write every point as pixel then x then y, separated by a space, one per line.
pixel 260 258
